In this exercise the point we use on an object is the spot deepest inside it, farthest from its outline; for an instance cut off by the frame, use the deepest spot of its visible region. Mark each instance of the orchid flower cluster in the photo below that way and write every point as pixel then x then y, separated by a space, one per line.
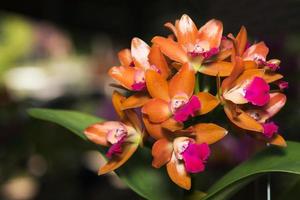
pixel 164 97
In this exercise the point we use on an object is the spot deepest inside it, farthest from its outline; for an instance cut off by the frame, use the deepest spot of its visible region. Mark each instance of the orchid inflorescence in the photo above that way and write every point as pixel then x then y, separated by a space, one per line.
pixel 165 97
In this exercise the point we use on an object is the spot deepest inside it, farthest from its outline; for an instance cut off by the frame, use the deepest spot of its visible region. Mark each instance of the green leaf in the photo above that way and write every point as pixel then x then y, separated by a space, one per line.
pixel 272 159
pixel 72 120
pixel 195 195
pixel 137 173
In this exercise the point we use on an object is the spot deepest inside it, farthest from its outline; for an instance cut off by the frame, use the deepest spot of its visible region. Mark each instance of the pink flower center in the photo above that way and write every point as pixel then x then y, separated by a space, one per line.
pixel 178 101
pixel 258 92
pixel 271 65
pixel 139 81
pixel 195 156
pixel 116 148
pixel 270 129
pixel 116 137
pixel 131 64
pixel 138 86
pixel 283 85
pixel 183 110
pixel 198 51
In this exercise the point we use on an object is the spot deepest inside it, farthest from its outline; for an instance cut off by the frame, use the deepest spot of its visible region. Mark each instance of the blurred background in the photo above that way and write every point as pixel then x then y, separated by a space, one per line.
pixel 55 54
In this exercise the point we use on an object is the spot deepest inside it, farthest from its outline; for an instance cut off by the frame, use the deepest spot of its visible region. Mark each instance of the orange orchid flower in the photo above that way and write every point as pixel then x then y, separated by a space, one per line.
pixel 248 102
pixel 254 56
pixel 197 47
pixel 186 152
pixel 173 102
pixel 122 137
pixel 135 62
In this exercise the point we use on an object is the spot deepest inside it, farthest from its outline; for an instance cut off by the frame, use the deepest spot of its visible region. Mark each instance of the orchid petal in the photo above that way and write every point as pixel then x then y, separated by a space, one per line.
pixel 97 133
pixel 241 40
pixel 183 82
pixel 277 101
pixel 157 86
pixel 208 102
pixel 256 51
pixel 212 33
pixel 140 51
pixel 157 59
pixel 223 54
pixel 208 133
pixel 171 49
pixel 172 125
pixel 134 101
pixel 116 161
pixel 172 28
pixel 134 120
pixel 277 140
pixel 162 152
pixel 155 130
pixel 238 68
pixel 178 174
pixel 157 110
pixel 242 119
pixel 220 68
pixel 123 75
pixel 117 100
pixel 125 58
pixel 186 31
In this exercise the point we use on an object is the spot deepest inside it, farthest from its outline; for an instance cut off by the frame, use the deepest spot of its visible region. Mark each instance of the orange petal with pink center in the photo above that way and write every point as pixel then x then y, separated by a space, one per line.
pixel 208 133
pixel 178 174
pixel 259 50
pixel 241 119
pixel 211 32
pixel 123 75
pixel 125 57
pixel 172 125
pixel 117 100
pixel 157 59
pixel 183 82
pixel 186 31
pixel 154 129
pixel 127 150
pixel 140 51
pixel 157 110
pixel 208 102
pixel 241 41
pixel 157 86
pixel 220 68
pixel 251 73
pixel 97 132
pixel 136 100
pixel 162 152
pixel 171 49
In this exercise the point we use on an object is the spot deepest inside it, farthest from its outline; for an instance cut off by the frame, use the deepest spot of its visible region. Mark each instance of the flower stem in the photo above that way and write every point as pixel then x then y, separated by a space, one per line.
pixel 197 84
pixel 268 183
